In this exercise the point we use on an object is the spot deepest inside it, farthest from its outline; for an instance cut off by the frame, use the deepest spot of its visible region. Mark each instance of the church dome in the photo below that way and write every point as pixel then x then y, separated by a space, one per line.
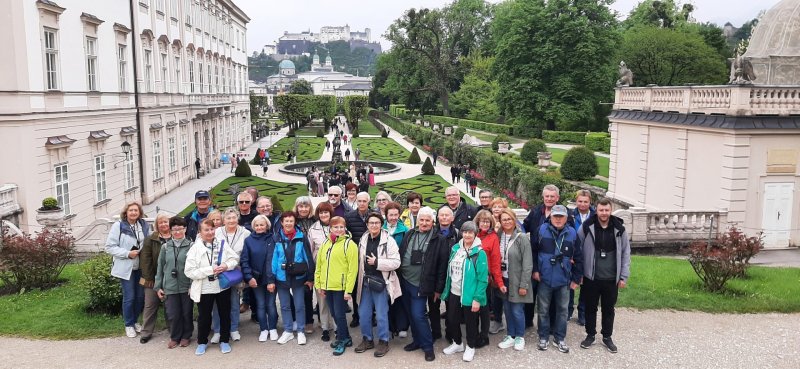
pixel 286 64
pixel 776 33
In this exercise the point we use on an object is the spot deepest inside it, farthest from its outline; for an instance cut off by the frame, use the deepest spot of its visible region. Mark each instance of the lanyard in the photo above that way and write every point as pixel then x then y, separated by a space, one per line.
pixel 558 244
pixel 210 255
pixel 135 232
pixel 175 252
pixel 232 240
pixel 507 240
pixel 414 244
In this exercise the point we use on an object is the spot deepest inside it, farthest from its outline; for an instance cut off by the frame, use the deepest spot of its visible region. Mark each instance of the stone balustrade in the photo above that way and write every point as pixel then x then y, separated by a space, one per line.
pixel 8 200
pixel 733 100
pixel 672 226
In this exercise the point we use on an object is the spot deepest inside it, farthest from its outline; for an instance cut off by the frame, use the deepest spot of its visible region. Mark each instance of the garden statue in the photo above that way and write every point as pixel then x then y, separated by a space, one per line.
pixel 625 75
pixel 741 68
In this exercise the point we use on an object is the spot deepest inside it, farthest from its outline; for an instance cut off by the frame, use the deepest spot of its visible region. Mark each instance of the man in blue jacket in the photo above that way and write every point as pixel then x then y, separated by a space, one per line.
pixel 202 202
pixel 558 267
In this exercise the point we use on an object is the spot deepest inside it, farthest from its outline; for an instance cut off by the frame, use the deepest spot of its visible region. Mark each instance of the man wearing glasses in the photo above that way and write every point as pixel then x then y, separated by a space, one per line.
pixel 202 203
pixel 485 198
pixel 462 211
pixel 335 199
pixel 246 214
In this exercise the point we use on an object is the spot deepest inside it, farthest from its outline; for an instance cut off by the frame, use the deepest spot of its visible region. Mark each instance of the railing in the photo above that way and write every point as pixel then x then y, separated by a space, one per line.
pixel 8 200
pixel 741 100
pixel 676 225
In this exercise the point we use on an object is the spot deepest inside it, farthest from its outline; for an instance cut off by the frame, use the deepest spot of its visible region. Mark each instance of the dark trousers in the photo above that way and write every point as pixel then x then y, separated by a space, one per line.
pixel 485 313
pixel 435 316
pixel 179 315
pixel 415 306
pixel 204 308
pixel 355 304
pixel 497 303
pixel 338 306
pixel 530 309
pixel 398 316
pixel 605 294
pixel 457 314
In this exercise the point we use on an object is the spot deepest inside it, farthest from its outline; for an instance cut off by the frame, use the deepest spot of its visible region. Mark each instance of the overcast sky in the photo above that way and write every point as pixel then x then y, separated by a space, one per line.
pixel 270 18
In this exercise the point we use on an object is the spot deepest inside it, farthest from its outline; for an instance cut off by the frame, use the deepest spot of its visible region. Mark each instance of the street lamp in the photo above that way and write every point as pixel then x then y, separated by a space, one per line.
pixel 126 148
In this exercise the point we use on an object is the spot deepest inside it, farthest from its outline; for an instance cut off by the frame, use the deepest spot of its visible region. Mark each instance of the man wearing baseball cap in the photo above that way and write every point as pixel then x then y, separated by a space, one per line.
pixel 202 203
pixel 558 267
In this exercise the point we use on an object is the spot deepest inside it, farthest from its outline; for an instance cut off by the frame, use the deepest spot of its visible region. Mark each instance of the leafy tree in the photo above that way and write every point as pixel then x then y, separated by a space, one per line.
pixel 477 97
pixel 659 13
pixel 301 87
pixel 354 108
pixel 324 107
pixel 668 57
pixel 258 104
pixel 553 61
pixel 295 109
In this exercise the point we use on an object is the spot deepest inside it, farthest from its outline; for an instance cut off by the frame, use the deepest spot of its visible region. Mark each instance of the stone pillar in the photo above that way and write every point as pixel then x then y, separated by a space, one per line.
pixel 735 176
pixel 639 227
pixel 681 148
pixel 641 178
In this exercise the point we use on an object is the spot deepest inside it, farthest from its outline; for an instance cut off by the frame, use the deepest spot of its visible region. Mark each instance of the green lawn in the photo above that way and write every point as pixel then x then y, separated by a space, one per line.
pixel 431 188
pixel 489 137
pixel 602 162
pixel 597 182
pixel 380 149
pixel 668 283
pixel 310 149
pixel 365 127
pixel 310 130
pixel 286 192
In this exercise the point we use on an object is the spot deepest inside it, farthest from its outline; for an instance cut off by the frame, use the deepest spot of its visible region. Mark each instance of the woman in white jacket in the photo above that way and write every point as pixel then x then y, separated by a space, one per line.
pixel 123 243
pixel 234 235
pixel 205 261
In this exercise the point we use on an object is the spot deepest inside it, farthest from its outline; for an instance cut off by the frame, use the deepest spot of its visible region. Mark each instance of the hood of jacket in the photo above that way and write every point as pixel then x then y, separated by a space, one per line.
pixel 614 221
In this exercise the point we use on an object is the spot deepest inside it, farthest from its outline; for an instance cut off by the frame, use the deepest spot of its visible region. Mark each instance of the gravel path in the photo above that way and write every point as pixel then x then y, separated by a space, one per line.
pixel 646 339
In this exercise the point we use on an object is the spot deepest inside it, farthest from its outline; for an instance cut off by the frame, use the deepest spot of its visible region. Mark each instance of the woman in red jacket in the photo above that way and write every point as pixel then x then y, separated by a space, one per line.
pixel 491 246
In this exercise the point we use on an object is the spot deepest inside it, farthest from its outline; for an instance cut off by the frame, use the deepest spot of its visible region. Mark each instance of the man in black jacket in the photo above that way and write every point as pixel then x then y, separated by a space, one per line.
pixel 356 221
pixel 462 211
pixel 202 203
pixel 446 236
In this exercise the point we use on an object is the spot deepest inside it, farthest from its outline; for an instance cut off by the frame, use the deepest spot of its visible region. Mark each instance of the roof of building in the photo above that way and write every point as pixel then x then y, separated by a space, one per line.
pixel 286 64
pixel 710 121
pixel 776 33
pixel 356 86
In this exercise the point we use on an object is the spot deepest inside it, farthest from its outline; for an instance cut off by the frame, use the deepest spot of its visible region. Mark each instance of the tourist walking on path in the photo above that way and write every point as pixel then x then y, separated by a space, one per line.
pixel 234 162
pixel 124 241
pixel 172 284
pixel 371 174
pixel 517 266
pixel 435 156
pixel 473 184
pixel 264 166
pixel 197 167
pixel 206 260
pixel 327 145
pixel 455 174
pixel 148 261
pixel 357 153
pixel 256 259
pixel 607 261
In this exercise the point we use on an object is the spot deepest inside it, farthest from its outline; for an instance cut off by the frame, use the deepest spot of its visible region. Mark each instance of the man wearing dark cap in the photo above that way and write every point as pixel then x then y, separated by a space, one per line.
pixel 202 203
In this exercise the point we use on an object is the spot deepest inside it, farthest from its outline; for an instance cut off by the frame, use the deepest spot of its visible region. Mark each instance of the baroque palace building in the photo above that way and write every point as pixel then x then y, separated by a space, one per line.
pixel 106 102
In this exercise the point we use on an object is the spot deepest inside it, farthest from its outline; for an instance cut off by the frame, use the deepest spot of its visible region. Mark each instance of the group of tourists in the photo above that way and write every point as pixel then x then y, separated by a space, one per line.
pixel 392 265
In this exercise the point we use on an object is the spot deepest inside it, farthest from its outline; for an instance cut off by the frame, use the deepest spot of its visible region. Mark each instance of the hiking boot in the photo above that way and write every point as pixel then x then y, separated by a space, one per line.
pixel 588 341
pixel 365 345
pixel 562 346
pixel 326 336
pixel 612 348
pixel 339 349
pixel 381 348
pixel 506 342
pixel 542 344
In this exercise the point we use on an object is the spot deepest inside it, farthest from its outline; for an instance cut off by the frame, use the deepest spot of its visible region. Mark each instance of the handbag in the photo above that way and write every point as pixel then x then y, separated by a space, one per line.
pixel 292 268
pixel 374 283
pixel 228 278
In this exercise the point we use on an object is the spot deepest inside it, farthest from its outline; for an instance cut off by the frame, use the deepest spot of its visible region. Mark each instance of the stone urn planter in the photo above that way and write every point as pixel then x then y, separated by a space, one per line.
pixel 544 159
pixel 50 214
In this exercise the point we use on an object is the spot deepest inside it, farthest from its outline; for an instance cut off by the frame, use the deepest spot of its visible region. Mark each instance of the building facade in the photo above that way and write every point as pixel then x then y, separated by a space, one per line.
pixel 83 84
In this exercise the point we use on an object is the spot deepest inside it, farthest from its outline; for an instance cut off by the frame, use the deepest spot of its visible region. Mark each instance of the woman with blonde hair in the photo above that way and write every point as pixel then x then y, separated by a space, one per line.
pixel 216 218
pixel 515 249
pixel 123 243
pixel 148 261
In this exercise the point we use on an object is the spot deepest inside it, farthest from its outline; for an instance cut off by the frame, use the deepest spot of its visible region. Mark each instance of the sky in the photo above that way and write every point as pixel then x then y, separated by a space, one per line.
pixel 270 18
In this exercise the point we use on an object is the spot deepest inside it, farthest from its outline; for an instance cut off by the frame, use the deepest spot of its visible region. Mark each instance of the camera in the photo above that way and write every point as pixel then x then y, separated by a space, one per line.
pixel 174 273
pixel 603 254
pixel 503 266
pixel 283 266
pixel 417 256
pixel 556 259
pixel 212 278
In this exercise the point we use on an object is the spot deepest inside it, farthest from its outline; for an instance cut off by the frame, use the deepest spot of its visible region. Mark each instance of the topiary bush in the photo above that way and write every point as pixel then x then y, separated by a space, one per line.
pixel 531 150
pixel 384 132
pixel 427 168
pixel 414 157
pixel 256 160
pixel 579 164
pixel 459 133
pixel 598 141
pixel 498 139
pixel 320 133
pixel 49 203
pixel 105 296
pixel 243 169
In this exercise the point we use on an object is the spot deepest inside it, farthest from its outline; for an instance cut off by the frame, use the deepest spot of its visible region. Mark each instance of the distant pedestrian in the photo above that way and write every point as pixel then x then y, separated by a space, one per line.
pixel 197 167
pixel 435 156
pixel 327 145
pixel 371 175
pixel 347 154
pixel 358 153
pixel 264 166
pixel 473 184
pixel 288 156
pixel 234 162
pixel 467 177
pixel 454 173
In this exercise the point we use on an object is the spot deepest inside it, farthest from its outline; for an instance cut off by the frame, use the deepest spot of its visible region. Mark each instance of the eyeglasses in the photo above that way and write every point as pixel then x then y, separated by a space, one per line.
pixel 381 200
pixel 485 221
pixel 486 197
pixel 334 195
pixel 176 230
pixel 242 202
pixel 374 223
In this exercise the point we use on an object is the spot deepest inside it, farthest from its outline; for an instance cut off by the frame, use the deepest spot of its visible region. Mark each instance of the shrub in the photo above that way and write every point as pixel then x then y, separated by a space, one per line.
pixel 49 203
pixel 290 133
pixel 29 261
pixel 724 258
pixel 355 133
pixel 427 168
pixel 320 133
pixel 579 164
pixel 598 142
pixel 414 157
pixel 105 295
pixel 497 139
pixel 243 169
pixel 577 138
pixel 531 150
pixel 459 133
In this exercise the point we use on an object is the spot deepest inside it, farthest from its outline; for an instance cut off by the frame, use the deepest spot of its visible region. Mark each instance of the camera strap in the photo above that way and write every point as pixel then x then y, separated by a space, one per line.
pixel 219 257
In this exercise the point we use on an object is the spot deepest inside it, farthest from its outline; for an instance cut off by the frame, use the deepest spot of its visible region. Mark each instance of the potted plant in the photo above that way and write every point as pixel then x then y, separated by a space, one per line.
pixel 50 214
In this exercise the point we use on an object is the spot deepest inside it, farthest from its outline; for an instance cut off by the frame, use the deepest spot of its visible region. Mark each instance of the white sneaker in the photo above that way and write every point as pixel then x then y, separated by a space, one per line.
pixel 301 338
pixel 506 342
pixel 469 353
pixel 130 332
pixel 495 327
pixel 263 336
pixel 138 327
pixel 285 337
pixel 519 344
pixel 273 334
pixel 453 348
pixel 214 338
pixel 236 336
pixel 403 334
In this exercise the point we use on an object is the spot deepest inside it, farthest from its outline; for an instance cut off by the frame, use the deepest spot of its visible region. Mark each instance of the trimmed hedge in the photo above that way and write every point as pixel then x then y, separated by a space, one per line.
pixel 577 138
pixel 473 124
pixel 243 169
pixel 427 168
pixel 598 141
pixel 414 157
pixel 579 164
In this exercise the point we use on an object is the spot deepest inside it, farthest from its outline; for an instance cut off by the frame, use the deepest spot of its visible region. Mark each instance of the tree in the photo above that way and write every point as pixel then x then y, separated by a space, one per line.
pixel 477 97
pixel 301 87
pixel 670 57
pixel 354 108
pixel 531 149
pixel 258 104
pixel 295 109
pixel 659 13
pixel 554 61
pixel 579 164
pixel 324 107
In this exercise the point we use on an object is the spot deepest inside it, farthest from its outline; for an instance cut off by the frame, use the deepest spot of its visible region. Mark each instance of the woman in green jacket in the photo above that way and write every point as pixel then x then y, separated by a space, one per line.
pixel 335 275
pixel 172 284
pixel 465 290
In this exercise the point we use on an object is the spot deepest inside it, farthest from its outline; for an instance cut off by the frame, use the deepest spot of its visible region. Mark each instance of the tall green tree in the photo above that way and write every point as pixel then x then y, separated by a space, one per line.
pixel 477 97
pixel 354 108
pixel 296 110
pixel 301 87
pixel 670 57
pixel 554 60
pixel 659 13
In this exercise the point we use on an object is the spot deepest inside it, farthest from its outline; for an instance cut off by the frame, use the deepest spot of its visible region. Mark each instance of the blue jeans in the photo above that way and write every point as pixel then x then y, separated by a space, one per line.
pixel 266 311
pixel 559 297
pixel 416 307
pixel 234 312
pixel 515 318
pixel 380 301
pixel 338 308
pixel 287 295
pixel 132 298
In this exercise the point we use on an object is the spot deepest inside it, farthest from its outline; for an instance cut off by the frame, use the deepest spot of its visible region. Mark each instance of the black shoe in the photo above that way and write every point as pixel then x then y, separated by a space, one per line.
pixel 430 356
pixel 482 342
pixel 325 336
pixel 355 323
pixel 588 341
pixel 144 339
pixel 610 345
pixel 437 337
pixel 413 346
